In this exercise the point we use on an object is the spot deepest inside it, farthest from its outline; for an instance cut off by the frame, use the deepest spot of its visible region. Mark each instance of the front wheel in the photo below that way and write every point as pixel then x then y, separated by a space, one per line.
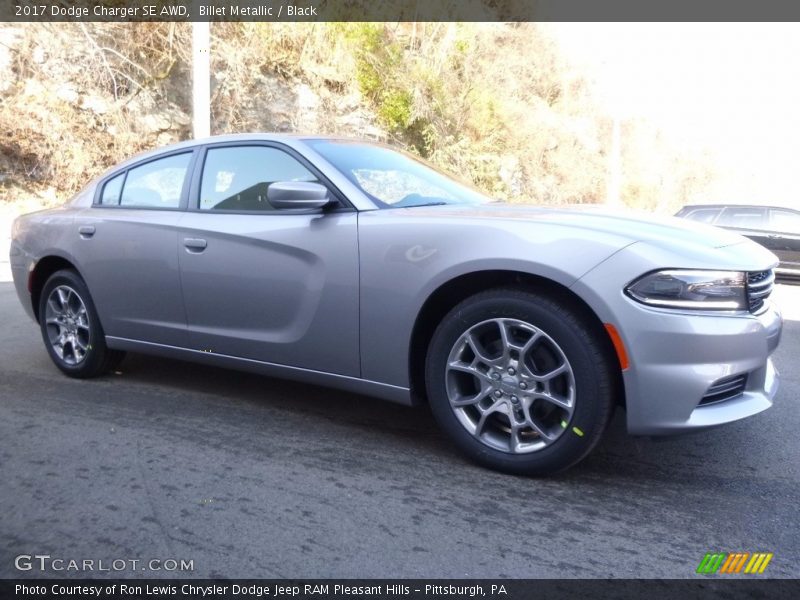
pixel 71 329
pixel 521 383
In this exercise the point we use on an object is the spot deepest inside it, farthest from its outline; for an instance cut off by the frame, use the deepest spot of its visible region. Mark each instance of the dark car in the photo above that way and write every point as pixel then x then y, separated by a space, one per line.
pixel 775 228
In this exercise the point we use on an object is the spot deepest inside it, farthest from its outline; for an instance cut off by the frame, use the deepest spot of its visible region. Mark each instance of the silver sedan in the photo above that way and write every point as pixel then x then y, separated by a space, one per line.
pixel 353 265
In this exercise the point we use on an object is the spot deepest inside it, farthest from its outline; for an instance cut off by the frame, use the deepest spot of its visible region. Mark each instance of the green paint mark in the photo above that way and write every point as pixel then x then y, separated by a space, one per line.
pixel 564 424
pixel 577 431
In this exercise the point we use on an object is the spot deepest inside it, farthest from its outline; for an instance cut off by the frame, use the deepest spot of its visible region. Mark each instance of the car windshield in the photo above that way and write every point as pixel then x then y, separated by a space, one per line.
pixel 394 179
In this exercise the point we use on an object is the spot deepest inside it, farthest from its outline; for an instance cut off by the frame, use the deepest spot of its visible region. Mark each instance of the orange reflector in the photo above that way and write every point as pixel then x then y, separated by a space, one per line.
pixel 618 345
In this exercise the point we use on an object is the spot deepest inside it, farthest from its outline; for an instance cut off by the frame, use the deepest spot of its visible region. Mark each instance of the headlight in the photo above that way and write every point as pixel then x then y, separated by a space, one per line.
pixel 700 290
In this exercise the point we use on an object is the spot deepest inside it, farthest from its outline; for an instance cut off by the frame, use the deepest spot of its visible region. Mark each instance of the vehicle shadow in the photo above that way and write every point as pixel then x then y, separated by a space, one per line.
pixel 347 408
pixel 619 457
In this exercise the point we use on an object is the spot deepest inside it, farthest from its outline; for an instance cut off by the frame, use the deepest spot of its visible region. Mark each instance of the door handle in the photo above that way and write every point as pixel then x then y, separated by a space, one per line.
pixel 194 244
pixel 86 231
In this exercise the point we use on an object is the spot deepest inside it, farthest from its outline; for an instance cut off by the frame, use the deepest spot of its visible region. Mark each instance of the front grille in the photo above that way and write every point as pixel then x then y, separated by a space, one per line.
pixel 725 389
pixel 759 287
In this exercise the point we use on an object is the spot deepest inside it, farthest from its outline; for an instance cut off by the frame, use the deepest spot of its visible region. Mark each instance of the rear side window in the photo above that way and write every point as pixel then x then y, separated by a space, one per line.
pixel 237 178
pixel 156 184
pixel 703 215
pixel 743 217
pixel 111 191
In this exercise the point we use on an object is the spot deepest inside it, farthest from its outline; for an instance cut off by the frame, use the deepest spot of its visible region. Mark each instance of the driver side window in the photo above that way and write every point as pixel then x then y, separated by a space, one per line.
pixel 238 178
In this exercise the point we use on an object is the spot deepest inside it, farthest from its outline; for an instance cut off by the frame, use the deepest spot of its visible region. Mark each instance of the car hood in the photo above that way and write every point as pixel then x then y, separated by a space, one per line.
pixel 632 225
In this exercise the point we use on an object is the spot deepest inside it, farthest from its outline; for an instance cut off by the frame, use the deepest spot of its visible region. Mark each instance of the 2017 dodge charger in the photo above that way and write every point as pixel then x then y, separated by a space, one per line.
pixel 353 265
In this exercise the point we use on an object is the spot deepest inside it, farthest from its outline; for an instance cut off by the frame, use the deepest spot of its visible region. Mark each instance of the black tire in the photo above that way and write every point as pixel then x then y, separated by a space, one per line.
pixel 97 358
pixel 591 380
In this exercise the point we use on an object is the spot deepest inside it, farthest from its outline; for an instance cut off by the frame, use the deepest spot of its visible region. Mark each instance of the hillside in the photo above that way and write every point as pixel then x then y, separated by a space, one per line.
pixel 495 103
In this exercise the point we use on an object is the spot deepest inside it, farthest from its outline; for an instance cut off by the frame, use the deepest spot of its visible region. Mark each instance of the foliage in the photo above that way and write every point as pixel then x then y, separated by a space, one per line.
pixel 79 98
pixel 496 104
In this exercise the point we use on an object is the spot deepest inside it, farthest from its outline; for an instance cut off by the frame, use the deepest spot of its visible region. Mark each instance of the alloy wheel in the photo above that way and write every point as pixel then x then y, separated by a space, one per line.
pixel 67 323
pixel 510 385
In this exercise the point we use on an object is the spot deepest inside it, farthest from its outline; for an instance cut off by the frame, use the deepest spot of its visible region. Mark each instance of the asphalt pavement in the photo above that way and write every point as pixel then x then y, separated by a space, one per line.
pixel 253 477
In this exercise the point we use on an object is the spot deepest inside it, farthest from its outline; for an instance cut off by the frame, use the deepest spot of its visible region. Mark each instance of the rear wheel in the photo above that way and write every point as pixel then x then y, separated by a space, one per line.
pixel 520 382
pixel 71 329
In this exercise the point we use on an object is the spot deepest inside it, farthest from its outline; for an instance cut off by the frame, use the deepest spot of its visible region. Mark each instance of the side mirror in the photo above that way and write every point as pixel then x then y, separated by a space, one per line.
pixel 297 194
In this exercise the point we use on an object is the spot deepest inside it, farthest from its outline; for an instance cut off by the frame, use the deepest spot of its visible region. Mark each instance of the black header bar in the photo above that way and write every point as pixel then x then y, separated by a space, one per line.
pixel 701 587
pixel 398 10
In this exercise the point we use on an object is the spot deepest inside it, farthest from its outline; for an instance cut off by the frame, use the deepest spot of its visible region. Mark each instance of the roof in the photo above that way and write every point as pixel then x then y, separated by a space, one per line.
pixel 290 139
pixel 740 205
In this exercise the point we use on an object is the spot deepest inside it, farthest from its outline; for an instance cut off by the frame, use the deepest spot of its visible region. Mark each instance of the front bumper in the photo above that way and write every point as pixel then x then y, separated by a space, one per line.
pixel 676 356
pixel 679 358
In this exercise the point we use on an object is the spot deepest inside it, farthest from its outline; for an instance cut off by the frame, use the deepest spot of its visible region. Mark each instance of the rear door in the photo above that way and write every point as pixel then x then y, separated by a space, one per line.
pixel 128 250
pixel 277 286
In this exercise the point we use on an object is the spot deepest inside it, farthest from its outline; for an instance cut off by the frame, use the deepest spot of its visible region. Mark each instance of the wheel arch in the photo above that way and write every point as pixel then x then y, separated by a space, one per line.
pixel 44 268
pixel 453 291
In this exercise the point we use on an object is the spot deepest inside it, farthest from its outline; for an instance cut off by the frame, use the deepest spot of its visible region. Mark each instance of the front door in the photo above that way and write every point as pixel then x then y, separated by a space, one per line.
pixel 271 285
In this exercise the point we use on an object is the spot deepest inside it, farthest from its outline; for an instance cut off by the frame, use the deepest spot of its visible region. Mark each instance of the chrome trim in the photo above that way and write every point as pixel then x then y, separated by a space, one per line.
pixel 759 286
